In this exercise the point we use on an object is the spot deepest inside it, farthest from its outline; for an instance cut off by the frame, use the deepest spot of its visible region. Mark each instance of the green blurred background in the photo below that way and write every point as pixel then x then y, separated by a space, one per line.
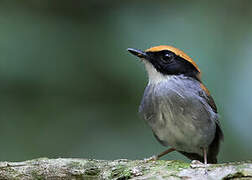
pixel 69 88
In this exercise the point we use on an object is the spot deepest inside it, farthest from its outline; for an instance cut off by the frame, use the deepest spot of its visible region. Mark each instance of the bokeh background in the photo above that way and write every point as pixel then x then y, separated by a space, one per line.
pixel 69 88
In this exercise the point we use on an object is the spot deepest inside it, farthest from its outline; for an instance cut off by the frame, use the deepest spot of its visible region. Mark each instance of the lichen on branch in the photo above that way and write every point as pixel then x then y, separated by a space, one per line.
pixel 68 168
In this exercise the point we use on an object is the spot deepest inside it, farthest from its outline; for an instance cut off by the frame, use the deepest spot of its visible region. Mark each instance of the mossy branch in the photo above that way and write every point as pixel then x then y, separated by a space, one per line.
pixel 67 168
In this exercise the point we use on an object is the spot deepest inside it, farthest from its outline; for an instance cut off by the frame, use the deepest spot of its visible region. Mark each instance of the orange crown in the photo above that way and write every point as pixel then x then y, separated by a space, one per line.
pixel 177 51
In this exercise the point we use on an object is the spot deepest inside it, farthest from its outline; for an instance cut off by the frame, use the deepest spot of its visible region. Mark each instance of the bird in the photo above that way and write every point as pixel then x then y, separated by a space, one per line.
pixel 177 105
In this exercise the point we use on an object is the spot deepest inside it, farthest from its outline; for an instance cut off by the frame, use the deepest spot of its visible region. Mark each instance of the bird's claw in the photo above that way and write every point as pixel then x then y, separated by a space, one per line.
pixel 198 164
pixel 152 158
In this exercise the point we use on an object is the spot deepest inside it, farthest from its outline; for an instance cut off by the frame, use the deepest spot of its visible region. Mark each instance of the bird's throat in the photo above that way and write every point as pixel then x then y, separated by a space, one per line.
pixel 155 77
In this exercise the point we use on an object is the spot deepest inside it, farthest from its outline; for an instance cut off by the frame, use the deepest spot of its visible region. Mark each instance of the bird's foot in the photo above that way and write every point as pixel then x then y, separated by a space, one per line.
pixel 198 164
pixel 152 158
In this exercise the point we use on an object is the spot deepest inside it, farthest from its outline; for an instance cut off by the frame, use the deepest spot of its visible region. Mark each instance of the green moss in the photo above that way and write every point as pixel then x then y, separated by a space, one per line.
pixel 162 162
pixel 121 172
pixel 177 165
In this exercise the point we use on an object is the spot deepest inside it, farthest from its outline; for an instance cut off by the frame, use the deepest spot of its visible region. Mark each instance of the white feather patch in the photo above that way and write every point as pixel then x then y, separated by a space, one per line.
pixel 154 76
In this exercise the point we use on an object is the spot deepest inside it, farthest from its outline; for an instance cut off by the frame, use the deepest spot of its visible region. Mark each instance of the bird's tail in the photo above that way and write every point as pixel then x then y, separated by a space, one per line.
pixel 194 156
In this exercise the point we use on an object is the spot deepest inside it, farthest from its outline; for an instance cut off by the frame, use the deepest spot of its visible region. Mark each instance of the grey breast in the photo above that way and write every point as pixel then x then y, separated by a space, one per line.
pixel 178 116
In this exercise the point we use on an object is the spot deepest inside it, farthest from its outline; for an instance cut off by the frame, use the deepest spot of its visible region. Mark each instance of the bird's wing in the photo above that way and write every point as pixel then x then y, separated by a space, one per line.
pixel 206 95
pixel 213 149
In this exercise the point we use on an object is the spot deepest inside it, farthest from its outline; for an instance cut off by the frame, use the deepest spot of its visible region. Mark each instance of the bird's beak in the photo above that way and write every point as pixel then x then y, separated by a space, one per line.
pixel 138 53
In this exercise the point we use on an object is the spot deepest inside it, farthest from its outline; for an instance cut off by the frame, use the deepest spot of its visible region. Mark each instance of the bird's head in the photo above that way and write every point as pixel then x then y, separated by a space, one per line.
pixel 163 61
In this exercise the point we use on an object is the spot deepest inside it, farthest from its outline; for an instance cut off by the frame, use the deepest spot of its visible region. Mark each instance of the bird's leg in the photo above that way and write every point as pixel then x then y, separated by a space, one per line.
pixel 156 157
pixel 205 155
pixel 199 164
pixel 165 152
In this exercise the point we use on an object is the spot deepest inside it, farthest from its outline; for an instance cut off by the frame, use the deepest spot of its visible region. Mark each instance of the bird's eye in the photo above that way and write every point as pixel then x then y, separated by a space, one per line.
pixel 167 57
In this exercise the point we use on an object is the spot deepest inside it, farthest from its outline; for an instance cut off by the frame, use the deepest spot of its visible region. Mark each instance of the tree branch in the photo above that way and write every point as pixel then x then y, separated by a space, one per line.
pixel 67 168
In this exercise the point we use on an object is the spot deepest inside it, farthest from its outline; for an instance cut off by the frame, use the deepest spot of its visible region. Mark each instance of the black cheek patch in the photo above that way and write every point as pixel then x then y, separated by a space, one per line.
pixel 176 66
